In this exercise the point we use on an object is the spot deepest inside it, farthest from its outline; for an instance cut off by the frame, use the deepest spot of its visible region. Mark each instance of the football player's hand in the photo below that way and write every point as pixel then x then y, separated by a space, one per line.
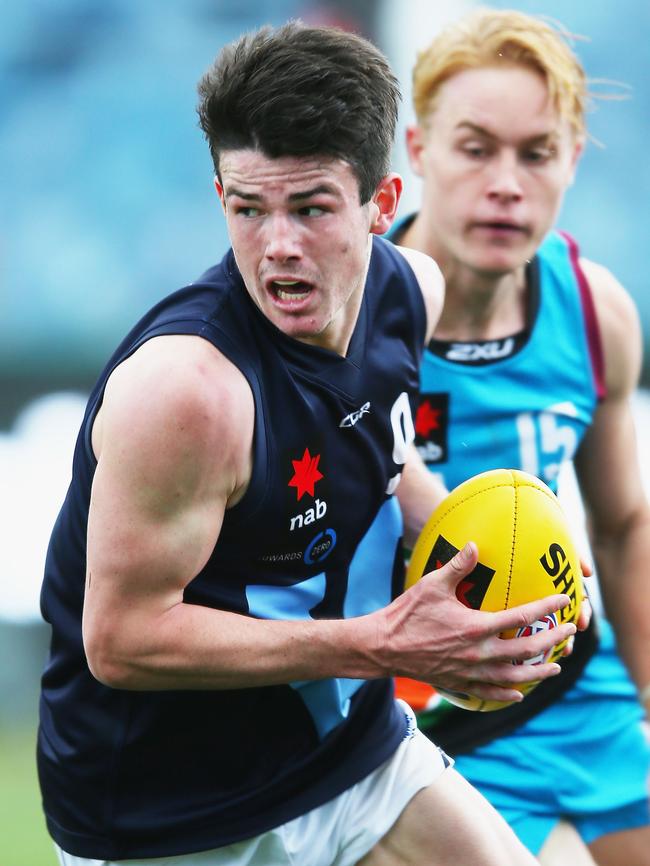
pixel 429 635
pixel 586 610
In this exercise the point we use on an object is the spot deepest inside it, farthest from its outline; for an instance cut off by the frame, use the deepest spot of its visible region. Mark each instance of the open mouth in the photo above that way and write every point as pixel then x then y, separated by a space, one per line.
pixel 290 290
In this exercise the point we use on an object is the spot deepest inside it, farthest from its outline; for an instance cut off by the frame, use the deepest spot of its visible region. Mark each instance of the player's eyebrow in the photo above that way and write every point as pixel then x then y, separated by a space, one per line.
pixel 474 127
pixel 321 189
pixel 538 138
pixel 247 196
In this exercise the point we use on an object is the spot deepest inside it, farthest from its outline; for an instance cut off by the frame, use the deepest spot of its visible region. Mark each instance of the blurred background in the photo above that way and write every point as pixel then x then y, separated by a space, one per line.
pixel 107 205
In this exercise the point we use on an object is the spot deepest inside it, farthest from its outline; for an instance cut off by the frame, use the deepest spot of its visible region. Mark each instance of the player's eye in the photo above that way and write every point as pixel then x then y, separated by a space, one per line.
pixel 539 155
pixel 247 211
pixel 475 150
pixel 311 210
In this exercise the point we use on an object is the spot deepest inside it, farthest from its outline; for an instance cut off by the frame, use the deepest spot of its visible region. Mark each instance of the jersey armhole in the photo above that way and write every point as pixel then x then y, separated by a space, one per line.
pixel 254 496
pixel 417 305
pixel 592 328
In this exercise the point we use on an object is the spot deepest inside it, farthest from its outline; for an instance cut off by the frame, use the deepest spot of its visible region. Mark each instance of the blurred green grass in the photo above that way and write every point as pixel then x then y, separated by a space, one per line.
pixel 24 839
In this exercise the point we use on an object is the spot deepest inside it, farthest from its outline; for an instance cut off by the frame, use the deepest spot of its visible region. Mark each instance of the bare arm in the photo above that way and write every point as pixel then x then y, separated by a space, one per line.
pixel 610 480
pixel 432 284
pixel 419 493
pixel 170 462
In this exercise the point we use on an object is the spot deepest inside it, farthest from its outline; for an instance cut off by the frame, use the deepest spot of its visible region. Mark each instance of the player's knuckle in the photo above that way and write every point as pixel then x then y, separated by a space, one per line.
pixel 474 634
pixel 523 619
pixel 473 654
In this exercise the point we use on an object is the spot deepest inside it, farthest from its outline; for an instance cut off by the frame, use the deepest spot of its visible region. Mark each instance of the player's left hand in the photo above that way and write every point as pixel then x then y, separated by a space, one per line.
pixel 586 610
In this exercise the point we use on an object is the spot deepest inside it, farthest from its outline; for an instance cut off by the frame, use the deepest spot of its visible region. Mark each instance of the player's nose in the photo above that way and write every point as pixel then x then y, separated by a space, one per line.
pixel 282 238
pixel 504 181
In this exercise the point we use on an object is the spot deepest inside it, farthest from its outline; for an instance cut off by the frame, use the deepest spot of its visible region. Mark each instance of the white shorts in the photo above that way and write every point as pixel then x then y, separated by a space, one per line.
pixel 338 833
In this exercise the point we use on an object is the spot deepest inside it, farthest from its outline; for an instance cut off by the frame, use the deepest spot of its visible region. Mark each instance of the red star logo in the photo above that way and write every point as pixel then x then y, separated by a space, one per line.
pixel 305 474
pixel 426 419
pixel 462 589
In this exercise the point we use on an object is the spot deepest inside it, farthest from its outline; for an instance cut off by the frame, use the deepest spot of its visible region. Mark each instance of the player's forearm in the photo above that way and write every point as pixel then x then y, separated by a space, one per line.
pixel 623 564
pixel 195 647
pixel 424 633
pixel 419 493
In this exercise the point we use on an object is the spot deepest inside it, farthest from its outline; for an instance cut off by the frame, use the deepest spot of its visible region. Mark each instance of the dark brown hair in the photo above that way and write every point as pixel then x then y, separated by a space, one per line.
pixel 303 91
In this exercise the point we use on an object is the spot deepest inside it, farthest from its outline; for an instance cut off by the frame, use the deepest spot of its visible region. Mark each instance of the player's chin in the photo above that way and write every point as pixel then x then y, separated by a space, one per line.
pixel 500 257
pixel 312 326
pixel 309 331
pixel 498 263
pixel 299 324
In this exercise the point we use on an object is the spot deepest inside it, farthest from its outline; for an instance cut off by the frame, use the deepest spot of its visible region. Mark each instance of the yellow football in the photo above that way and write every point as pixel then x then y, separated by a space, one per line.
pixel 525 552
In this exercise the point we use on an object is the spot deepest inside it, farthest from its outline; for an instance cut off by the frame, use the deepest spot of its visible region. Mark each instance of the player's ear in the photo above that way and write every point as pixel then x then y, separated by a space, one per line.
pixel 383 204
pixel 415 147
pixel 220 193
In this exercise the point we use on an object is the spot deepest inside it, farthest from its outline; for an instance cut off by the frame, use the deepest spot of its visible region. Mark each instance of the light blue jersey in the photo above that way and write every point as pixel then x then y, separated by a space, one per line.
pixel 574 748
pixel 530 408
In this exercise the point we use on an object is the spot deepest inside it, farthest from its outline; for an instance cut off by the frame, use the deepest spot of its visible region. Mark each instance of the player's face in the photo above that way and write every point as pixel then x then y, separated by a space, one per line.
pixel 495 159
pixel 301 241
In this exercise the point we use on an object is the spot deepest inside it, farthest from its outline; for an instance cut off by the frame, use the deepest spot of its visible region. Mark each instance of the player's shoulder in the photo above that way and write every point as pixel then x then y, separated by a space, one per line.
pixel 606 288
pixel 615 307
pixel 183 368
pixel 618 322
pixel 179 390
pixel 431 282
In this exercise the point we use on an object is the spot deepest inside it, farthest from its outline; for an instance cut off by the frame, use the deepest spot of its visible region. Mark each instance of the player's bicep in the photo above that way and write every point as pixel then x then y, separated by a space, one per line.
pixel 606 462
pixel 147 536
pixel 170 459
pixel 140 558
pixel 607 469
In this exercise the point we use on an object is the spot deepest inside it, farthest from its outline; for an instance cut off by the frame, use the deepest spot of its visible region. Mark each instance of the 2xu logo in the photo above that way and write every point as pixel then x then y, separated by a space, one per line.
pixel 556 564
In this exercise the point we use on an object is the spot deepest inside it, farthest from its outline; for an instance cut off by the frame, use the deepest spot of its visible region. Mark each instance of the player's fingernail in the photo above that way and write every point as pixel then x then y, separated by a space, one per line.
pixel 464 553
pixel 469 549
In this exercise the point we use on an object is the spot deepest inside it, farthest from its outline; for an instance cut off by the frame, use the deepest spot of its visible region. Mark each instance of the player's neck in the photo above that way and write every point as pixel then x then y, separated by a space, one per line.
pixel 470 313
pixel 478 305
pixel 481 307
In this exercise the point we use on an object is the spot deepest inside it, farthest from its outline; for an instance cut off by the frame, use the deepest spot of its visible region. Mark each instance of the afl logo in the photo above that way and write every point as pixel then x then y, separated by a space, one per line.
pixel 544 624
pixel 320 547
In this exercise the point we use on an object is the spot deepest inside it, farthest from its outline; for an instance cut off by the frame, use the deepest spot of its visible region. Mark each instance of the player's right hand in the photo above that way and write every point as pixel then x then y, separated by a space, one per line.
pixel 429 635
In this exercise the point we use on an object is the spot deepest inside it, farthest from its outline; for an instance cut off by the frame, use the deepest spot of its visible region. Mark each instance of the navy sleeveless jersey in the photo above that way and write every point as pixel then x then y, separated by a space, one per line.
pixel 489 405
pixel 128 774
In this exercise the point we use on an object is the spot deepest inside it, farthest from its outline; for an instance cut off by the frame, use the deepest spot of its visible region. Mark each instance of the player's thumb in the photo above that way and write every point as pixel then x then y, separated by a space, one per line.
pixel 461 564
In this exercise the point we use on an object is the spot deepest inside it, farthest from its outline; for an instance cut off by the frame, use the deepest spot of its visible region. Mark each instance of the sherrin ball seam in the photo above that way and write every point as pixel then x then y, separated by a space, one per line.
pixel 514 482
pixel 512 543
pixel 432 530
